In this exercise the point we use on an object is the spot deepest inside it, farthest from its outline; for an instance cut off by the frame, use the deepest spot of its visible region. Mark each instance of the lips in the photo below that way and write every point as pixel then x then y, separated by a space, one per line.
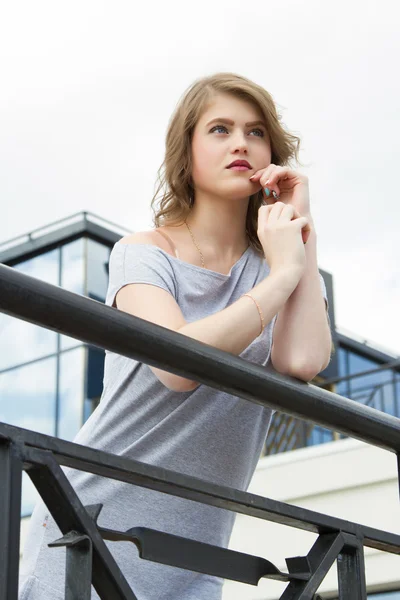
pixel 240 163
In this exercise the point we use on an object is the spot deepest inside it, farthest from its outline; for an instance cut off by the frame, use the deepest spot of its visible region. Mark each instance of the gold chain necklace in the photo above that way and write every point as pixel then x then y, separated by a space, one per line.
pixel 194 241
pixel 200 252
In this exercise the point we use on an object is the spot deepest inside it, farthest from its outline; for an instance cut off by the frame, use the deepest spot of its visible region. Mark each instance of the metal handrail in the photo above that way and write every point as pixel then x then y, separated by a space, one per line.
pixel 99 325
pixel 41 456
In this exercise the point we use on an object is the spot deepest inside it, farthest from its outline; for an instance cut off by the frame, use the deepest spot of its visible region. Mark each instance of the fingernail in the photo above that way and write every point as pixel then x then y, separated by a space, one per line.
pixel 267 192
pixel 275 195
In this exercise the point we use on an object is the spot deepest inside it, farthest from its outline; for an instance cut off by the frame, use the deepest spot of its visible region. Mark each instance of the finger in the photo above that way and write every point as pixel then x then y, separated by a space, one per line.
pixel 281 180
pixel 306 229
pixel 260 172
pixel 270 187
pixel 280 210
pixel 281 174
pixel 271 193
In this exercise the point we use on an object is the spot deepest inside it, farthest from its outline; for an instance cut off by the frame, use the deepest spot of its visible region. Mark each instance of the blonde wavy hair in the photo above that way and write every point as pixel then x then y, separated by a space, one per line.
pixel 175 174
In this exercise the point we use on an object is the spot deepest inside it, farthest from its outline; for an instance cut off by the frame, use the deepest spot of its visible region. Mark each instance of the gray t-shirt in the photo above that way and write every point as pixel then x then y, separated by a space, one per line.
pixel 205 433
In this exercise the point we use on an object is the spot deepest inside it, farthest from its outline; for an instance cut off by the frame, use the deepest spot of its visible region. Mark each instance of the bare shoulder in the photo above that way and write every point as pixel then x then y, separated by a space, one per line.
pixel 139 237
pixel 147 237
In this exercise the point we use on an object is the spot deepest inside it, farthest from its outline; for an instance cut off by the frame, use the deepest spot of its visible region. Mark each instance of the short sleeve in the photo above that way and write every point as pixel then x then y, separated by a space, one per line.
pixel 139 263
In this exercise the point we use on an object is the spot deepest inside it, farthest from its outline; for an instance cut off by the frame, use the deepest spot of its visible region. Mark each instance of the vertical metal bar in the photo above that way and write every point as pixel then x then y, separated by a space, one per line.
pixel 351 572
pixel 78 568
pixel 10 517
pixel 78 574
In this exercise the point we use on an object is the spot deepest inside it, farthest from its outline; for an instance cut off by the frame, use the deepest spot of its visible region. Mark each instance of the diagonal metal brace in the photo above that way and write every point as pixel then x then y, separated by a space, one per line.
pixel 321 557
pixel 70 515
pixel 177 551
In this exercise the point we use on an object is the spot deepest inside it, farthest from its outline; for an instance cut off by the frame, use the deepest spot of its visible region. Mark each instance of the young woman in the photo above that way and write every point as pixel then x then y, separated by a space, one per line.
pixel 233 246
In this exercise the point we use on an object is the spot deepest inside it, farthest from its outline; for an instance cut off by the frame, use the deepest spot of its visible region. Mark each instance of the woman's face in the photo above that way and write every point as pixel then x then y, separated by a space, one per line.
pixel 216 144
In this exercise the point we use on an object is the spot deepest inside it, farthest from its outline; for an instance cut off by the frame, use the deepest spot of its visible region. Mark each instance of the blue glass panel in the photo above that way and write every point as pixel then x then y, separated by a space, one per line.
pixel 342 361
pixel 72 276
pixel 319 435
pixel 377 389
pixel 73 267
pixel 20 341
pixel 45 267
pixel 94 379
pixel 342 388
pixel 357 364
pixel 28 395
pixel 97 272
pixel 71 393
pixel 397 396
pixel 29 496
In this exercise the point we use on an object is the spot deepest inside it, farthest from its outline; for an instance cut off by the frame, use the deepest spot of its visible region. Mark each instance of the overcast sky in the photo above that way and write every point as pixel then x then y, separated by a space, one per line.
pixel 88 88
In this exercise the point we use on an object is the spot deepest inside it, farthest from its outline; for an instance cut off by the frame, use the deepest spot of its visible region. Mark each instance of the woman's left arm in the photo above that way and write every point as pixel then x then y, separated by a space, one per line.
pixel 302 338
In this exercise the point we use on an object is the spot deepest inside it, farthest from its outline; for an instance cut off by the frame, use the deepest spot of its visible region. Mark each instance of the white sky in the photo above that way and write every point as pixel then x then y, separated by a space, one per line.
pixel 88 88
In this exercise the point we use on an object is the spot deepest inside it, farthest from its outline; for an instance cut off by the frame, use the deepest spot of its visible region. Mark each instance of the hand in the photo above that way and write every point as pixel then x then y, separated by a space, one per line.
pixel 278 230
pixel 288 187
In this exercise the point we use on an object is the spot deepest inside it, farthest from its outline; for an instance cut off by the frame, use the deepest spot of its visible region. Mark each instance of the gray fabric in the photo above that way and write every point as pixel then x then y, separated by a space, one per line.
pixel 204 433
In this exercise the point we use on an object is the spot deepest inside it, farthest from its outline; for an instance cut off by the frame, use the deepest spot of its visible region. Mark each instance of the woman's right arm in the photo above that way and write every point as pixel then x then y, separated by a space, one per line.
pixel 231 329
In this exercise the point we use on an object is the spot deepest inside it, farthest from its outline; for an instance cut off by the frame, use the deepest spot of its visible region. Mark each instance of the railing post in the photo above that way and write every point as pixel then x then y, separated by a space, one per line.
pixel 78 568
pixel 10 516
pixel 351 570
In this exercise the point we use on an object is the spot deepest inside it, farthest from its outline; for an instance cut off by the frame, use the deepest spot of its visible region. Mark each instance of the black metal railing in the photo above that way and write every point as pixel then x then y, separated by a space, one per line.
pixel 42 456
pixel 289 433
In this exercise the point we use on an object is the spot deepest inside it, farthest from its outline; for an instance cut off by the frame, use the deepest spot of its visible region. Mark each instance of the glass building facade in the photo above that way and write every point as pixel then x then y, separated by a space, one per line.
pixel 49 382
pixel 380 389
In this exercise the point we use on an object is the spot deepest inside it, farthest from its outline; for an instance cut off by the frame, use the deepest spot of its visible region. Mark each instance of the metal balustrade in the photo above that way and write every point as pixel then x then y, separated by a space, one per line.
pixel 288 433
pixel 42 456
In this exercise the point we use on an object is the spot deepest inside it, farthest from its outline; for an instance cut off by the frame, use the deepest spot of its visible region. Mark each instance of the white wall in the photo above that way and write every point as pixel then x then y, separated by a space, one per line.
pixel 347 479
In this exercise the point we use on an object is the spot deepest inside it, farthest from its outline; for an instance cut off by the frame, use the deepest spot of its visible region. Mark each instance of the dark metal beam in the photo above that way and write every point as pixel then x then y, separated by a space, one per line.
pixel 94 323
pixel 10 515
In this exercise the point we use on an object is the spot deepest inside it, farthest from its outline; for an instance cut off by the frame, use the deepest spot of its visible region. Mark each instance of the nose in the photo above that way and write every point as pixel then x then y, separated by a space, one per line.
pixel 239 141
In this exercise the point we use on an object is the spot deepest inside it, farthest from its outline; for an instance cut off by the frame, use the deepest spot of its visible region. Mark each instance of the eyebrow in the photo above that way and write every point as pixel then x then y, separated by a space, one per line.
pixel 230 122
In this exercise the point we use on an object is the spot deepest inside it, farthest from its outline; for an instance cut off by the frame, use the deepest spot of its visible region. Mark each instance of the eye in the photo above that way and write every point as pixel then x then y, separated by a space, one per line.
pixel 218 127
pixel 260 131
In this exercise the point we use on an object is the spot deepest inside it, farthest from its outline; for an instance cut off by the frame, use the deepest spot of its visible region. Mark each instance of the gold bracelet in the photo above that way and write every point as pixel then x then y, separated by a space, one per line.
pixel 259 312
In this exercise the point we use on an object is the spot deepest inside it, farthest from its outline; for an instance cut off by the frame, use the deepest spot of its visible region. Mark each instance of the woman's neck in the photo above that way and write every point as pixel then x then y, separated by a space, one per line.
pixel 219 228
